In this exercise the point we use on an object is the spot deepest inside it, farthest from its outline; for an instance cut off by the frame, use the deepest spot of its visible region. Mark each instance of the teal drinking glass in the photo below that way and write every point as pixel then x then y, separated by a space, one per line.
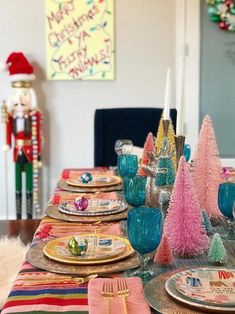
pixel 127 165
pixel 135 190
pixel 226 202
pixel 144 228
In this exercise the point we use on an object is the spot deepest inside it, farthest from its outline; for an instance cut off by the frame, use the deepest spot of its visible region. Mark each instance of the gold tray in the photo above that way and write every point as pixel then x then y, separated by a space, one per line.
pixel 53 212
pixel 96 182
pixel 62 184
pixel 36 257
pixel 57 250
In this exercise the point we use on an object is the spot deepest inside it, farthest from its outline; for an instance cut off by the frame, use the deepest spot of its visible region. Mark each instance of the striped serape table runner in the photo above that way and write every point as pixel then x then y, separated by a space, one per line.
pixel 38 291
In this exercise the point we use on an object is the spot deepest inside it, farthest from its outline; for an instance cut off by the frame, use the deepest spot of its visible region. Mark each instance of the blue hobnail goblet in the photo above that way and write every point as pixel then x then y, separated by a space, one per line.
pixel 226 202
pixel 135 190
pixel 144 228
pixel 127 165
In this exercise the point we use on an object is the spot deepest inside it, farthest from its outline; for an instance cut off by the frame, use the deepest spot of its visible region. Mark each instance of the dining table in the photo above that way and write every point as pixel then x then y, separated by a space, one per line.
pixel 38 290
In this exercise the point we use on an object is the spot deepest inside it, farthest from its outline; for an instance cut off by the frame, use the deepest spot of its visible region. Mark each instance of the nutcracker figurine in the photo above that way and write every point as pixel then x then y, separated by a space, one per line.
pixel 23 120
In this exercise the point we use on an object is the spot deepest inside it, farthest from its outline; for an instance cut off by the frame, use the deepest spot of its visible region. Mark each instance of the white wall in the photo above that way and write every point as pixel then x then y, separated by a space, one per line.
pixel 145 47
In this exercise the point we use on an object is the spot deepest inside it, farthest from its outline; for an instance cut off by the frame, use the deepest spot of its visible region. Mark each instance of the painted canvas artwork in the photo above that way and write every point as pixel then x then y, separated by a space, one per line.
pixel 80 39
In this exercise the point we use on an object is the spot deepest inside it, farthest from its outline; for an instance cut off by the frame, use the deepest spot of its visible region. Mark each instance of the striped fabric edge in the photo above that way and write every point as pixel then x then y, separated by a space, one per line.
pixel 45 308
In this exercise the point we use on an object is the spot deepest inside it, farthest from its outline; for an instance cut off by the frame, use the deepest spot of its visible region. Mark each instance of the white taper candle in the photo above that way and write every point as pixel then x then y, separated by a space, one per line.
pixel 166 112
pixel 180 109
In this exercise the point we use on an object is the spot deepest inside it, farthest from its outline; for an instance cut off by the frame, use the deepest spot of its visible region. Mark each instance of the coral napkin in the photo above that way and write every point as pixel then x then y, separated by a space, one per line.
pixel 73 173
pixel 136 303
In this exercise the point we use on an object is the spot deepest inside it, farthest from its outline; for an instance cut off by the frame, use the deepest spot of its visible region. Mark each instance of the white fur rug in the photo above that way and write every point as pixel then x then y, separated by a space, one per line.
pixel 12 255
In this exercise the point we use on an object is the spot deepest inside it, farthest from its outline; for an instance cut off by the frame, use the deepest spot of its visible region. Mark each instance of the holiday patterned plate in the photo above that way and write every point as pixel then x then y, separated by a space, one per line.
pixel 53 212
pixel 208 285
pixel 101 249
pixel 96 207
pixel 174 302
pixel 98 181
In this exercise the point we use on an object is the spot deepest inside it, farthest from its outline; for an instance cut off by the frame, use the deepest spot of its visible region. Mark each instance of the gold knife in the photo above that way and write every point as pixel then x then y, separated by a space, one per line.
pixel 33 280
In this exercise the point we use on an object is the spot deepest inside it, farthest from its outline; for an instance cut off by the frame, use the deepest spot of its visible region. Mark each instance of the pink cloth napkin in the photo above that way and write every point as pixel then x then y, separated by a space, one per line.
pixel 136 303
pixel 47 230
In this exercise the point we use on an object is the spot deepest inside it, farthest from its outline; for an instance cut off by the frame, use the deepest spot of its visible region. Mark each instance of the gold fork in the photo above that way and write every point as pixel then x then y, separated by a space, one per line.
pixel 107 294
pixel 123 292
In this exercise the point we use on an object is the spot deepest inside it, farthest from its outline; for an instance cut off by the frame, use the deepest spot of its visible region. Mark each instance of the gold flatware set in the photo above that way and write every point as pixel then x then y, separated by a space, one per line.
pixel 108 294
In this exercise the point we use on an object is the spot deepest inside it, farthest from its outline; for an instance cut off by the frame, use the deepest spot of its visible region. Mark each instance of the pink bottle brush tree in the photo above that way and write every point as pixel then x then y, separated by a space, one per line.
pixel 185 232
pixel 164 255
pixel 207 172
pixel 148 148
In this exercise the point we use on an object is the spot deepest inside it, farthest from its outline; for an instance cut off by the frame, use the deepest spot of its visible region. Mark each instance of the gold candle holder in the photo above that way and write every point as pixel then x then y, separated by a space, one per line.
pixel 179 147
pixel 166 124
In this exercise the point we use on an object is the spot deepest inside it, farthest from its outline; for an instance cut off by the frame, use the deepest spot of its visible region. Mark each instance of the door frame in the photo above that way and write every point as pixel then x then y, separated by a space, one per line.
pixel 188 40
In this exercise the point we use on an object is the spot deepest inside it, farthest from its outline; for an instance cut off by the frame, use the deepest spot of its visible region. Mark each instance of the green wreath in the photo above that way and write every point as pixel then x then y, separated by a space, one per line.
pixel 223 13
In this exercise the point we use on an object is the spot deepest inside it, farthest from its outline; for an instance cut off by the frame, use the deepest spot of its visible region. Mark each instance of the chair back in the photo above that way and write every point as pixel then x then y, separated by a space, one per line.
pixel 123 123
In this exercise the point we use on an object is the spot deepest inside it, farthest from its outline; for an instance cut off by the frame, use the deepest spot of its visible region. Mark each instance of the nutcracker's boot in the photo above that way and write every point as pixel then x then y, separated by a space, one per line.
pixel 29 204
pixel 18 204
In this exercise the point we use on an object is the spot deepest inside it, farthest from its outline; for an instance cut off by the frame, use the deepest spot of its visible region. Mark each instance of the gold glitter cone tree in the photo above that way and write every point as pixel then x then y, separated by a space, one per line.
pixel 170 137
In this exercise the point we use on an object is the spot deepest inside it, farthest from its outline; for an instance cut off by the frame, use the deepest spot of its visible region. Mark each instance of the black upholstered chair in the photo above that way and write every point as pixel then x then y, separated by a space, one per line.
pixel 118 123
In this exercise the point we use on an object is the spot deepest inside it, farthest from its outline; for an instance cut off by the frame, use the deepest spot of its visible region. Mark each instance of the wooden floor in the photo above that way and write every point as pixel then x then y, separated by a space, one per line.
pixel 25 229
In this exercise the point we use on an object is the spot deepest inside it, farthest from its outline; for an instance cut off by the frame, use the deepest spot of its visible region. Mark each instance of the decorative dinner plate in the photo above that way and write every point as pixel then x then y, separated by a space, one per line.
pixel 97 181
pixel 37 258
pixel 172 303
pixel 170 286
pixel 53 212
pixel 208 285
pixel 62 184
pixel 101 249
pixel 95 207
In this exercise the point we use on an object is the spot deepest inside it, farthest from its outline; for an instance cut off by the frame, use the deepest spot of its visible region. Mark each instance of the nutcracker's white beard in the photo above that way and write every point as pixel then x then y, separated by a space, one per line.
pixel 19 114
pixel 33 96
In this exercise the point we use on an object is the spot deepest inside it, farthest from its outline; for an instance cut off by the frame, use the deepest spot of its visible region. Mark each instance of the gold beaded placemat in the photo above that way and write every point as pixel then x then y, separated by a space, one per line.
pixel 36 257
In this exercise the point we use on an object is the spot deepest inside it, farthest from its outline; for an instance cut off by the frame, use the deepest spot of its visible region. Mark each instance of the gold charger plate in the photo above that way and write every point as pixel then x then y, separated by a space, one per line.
pixel 62 184
pixel 53 212
pixel 98 181
pixel 36 257
pixel 101 249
